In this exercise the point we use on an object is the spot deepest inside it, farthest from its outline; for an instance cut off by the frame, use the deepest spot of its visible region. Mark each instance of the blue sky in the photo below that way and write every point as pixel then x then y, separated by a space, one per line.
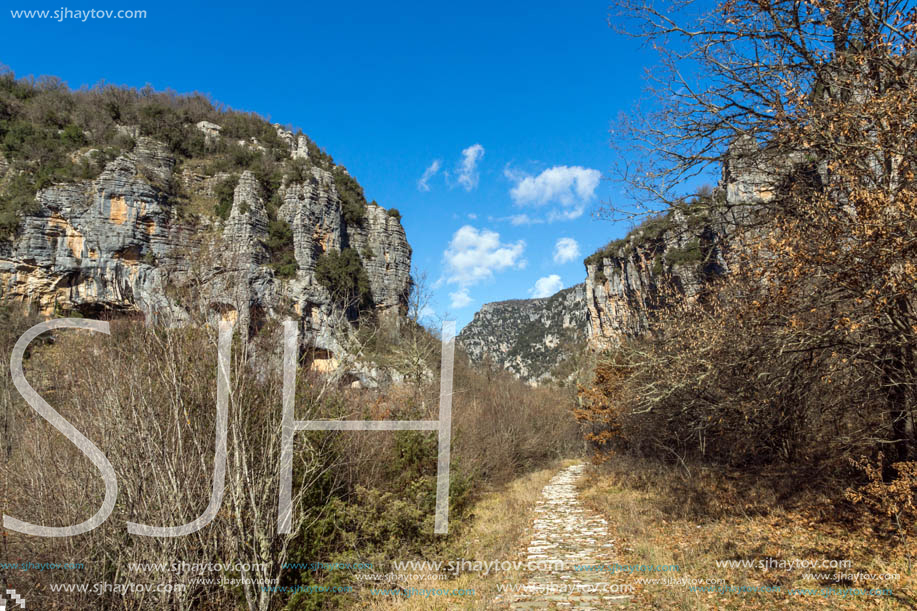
pixel 510 102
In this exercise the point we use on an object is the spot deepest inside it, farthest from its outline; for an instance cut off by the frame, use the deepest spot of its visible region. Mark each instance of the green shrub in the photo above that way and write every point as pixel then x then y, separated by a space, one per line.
pixel 609 250
pixel 696 208
pixel 224 192
pixel 342 273
pixel 26 141
pixel 73 137
pixel 297 171
pixel 9 221
pixel 101 157
pixel 353 202
pixel 247 125
pixel 689 253
pixel 39 151
pixel 170 126
pixel 658 264
pixel 653 227
pixel 28 177
pixel 393 212
pixel 281 248
pixel 42 124
pixel 318 157
pixel 241 156
pixel 241 125
pixel 268 174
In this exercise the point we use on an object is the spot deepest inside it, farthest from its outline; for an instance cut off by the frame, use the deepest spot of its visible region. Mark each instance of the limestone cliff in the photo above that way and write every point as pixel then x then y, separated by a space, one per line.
pixel 672 256
pixel 141 238
pixel 668 258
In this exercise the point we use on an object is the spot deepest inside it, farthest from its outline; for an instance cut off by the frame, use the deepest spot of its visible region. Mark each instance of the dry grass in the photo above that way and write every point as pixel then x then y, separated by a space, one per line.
pixel 660 516
pixel 201 205
pixel 146 396
pixel 498 525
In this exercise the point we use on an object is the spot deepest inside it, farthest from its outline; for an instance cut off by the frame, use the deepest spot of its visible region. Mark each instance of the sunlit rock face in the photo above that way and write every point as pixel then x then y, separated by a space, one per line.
pixel 667 259
pixel 674 256
pixel 121 245
pixel 532 338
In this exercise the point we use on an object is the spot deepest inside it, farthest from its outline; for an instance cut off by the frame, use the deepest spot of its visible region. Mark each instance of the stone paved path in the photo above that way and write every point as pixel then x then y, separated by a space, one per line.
pixel 566 532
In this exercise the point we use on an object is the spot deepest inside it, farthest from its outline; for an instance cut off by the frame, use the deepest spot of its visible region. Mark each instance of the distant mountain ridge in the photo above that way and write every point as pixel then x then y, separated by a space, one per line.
pixel 532 338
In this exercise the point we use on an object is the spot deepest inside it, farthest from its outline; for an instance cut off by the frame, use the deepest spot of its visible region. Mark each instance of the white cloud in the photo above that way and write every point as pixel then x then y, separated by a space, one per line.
pixel 547 286
pixel 430 172
pixel 567 214
pixel 524 219
pixel 474 255
pixel 460 298
pixel 426 313
pixel 566 250
pixel 561 184
pixel 570 187
pixel 472 216
pixel 468 167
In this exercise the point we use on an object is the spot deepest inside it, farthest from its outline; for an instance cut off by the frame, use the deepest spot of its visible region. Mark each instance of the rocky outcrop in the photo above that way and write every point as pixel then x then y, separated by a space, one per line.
pixel 673 256
pixel 122 243
pixel 92 245
pixel 299 144
pixel 668 259
pixel 532 338
pixel 210 130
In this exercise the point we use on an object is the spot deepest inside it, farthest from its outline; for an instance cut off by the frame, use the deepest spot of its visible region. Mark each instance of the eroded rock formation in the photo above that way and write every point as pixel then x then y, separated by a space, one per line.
pixel 668 258
pixel 122 243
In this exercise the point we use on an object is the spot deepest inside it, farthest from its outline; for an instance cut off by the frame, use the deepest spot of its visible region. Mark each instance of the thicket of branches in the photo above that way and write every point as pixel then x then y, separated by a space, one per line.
pixel 146 395
pixel 804 354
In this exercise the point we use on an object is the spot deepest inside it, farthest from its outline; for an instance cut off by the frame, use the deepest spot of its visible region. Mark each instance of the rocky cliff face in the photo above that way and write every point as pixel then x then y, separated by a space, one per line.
pixel 667 259
pixel 122 243
pixel 673 256
pixel 532 338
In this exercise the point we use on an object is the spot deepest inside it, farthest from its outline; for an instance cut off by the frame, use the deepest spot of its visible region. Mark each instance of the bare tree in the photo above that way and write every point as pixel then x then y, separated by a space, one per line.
pixel 814 103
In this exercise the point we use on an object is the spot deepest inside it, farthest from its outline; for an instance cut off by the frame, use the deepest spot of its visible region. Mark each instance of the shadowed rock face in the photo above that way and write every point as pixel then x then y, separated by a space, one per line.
pixel 119 244
pixel 531 338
